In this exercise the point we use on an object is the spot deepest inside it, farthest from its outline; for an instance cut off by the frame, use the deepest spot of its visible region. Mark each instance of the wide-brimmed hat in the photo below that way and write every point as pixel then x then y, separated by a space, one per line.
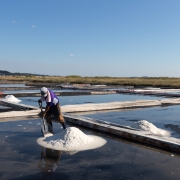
pixel 44 91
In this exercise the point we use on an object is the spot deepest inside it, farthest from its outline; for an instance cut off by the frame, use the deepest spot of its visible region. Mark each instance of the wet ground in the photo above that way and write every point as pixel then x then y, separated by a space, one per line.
pixel 20 157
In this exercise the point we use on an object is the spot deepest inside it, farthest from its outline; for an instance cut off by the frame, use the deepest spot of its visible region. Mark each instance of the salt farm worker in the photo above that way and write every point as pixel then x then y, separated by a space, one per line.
pixel 52 106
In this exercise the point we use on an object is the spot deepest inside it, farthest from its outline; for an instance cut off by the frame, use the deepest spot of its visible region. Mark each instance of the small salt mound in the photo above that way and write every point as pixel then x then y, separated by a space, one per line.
pixel 71 138
pixel 11 98
pixel 147 126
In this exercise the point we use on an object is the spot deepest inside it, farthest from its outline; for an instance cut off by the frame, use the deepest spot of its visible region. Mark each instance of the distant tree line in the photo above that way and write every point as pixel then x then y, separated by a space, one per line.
pixel 7 73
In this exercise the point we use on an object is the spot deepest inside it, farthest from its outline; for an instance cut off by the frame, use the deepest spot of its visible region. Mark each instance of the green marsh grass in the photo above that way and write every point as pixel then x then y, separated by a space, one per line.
pixel 139 81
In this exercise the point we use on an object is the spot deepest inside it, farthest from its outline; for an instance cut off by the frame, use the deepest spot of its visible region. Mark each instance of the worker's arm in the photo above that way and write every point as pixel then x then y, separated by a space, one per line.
pixel 46 110
pixel 39 101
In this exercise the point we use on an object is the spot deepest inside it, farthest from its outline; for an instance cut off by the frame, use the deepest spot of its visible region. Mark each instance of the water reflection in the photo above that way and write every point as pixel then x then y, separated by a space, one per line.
pixel 49 159
pixel 119 159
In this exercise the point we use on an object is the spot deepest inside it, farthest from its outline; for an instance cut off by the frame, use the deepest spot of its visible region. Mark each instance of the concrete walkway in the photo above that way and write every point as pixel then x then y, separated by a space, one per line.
pixel 22 109
pixel 58 93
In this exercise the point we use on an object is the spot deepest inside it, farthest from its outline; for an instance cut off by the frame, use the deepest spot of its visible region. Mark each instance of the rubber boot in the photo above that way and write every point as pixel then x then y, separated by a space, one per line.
pixel 64 125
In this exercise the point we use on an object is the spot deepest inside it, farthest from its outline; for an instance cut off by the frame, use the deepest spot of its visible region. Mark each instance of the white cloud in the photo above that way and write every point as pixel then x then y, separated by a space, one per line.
pixel 33 26
pixel 14 21
pixel 71 55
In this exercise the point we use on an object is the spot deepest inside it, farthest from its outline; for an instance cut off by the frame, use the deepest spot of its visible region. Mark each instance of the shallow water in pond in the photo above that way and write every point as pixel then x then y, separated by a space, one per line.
pixel 117 159
pixel 35 91
pixel 68 100
pixel 13 85
pixel 162 117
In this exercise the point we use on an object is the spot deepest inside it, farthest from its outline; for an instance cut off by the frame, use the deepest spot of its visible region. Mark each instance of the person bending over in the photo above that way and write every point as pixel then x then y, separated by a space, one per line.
pixel 52 106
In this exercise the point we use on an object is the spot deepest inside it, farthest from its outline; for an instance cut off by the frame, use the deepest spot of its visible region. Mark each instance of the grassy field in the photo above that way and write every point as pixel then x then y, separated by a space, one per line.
pixel 154 82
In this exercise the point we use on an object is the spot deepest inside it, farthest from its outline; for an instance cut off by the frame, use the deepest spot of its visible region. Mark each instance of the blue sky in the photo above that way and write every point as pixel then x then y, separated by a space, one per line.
pixel 117 38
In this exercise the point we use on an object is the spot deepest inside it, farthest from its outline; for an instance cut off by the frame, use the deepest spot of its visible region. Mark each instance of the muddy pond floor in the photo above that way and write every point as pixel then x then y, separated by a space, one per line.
pixel 118 159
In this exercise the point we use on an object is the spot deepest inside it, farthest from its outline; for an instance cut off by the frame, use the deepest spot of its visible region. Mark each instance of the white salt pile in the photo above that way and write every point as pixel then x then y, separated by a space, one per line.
pixel 11 98
pixel 147 126
pixel 71 139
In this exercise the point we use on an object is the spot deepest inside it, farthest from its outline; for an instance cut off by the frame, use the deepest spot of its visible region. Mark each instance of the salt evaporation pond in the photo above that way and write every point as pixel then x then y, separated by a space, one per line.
pixel 143 124
pixel 3 107
pixel 36 91
pixel 167 118
pixel 13 85
pixel 70 100
pixel 22 158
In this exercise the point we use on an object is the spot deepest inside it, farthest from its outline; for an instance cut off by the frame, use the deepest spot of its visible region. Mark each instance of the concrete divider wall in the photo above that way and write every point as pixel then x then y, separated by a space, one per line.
pixel 171 144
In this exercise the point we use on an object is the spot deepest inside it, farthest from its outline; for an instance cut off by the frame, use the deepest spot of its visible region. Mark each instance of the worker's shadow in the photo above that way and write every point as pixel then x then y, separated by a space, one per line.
pixel 49 159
